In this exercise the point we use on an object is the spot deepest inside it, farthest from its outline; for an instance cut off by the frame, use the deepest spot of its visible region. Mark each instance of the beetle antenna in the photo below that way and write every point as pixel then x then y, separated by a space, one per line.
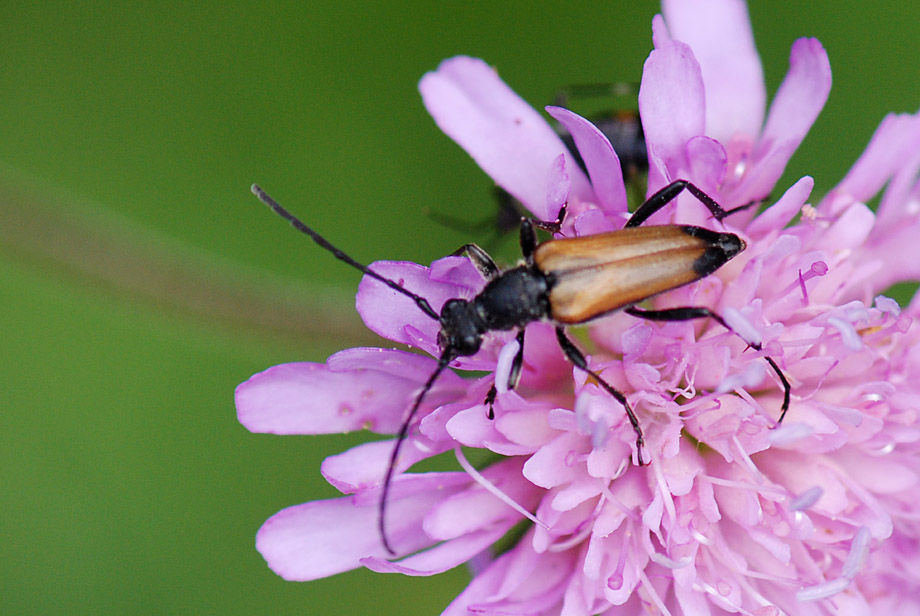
pixel 298 224
pixel 443 361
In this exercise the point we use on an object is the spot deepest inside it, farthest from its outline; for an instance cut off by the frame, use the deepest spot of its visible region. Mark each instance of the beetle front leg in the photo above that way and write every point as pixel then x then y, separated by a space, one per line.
pixel 529 234
pixel 687 313
pixel 577 357
pixel 554 226
pixel 480 260
pixel 668 194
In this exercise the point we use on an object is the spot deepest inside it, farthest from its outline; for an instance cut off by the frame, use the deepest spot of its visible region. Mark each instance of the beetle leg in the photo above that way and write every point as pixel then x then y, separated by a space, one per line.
pixel 668 194
pixel 553 227
pixel 490 401
pixel 687 313
pixel 514 376
pixel 480 259
pixel 577 357
pixel 528 240
pixel 529 234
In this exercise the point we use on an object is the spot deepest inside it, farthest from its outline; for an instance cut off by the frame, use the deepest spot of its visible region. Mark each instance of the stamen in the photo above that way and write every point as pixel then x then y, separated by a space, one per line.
pixel 818 268
pixel 887 305
pixel 574 540
pixel 848 333
pixel 806 499
pixel 859 551
pixel 653 594
pixel 504 363
pixel 493 489
pixel 742 327
pixel 670 563
pixel 822 591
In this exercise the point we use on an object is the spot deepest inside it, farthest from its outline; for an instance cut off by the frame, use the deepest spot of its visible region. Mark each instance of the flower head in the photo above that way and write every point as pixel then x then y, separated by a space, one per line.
pixel 733 514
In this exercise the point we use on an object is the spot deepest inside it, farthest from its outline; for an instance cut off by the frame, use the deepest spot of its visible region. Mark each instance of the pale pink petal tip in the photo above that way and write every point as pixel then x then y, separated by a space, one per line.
pixel 509 140
pixel 600 159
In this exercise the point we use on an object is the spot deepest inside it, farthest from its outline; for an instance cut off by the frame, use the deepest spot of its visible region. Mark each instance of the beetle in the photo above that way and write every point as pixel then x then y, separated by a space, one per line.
pixel 566 281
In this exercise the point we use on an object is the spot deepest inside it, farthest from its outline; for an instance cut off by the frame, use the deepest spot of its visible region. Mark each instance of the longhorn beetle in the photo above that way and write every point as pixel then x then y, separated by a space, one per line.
pixel 566 281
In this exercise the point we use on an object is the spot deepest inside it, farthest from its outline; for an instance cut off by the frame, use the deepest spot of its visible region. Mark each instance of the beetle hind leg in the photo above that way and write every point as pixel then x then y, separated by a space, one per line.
pixel 687 313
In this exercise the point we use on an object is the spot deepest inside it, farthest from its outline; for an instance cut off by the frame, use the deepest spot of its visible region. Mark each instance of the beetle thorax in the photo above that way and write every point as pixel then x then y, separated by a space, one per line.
pixel 513 299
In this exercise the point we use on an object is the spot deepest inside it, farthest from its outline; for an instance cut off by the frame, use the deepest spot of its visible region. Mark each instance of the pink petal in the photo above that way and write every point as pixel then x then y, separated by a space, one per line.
pixel 396 316
pixel 894 138
pixel 601 161
pixel 660 34
pixel 506 137
pixel 719 33
pixel 851 228
pixel 525 425
pixel 794 109
pixel 306 398
pixel 882 476
pixel 319 539
pixel 364 466
pixel 760 180
pixel 898 204
pixel 519 582
pixel 897 250
pixel 482 587
pixel 558 187
pixel 477 508
pixel 553 464
pixel 457 272
pixel 672 106
pixel 471 428
pixel 360 467
pixel 707 159
pixel 802 94
pixel 781 213
pixel 440 558
pixel 322 538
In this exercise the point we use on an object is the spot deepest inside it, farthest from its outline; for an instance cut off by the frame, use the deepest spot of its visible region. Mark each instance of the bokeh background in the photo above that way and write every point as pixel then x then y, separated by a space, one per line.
pixel 141 282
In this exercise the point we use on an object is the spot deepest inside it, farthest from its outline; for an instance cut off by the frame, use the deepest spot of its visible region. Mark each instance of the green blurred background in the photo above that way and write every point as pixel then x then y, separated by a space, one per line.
pixel 142 282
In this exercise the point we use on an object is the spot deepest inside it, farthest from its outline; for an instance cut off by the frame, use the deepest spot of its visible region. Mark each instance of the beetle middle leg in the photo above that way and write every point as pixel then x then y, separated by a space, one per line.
pixel 687 313
pixel 577 357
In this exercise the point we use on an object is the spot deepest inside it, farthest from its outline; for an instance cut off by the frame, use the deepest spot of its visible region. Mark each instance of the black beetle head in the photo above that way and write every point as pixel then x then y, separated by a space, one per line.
pixel 460 331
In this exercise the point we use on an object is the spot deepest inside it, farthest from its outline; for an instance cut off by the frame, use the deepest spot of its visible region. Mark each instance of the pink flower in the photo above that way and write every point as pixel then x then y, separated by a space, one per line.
pixel 733 514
